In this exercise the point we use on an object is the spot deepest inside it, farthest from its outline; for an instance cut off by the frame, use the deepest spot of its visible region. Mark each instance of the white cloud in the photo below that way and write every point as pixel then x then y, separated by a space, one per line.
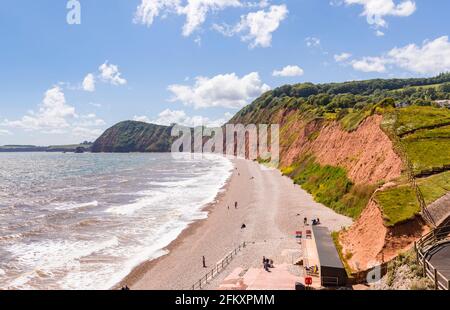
pixel 56 116
pixel 89 120
pixel 256 27
pixel 376 10
pixel 5 132
pixel 342 57
pixel 107 73
pixel 432 57
pixel 94 104
pixel 312 42
pixel 86 133
pixel 379 33
pixel 260 25
pixel 289 71
pixel 149 9
pixel 141 118
pixel 169 117
pixel 195 11
pixel 260 4
pixel 370 64
pixel 89 83
pixel 223 90
pixel 110 73
pixel 53 113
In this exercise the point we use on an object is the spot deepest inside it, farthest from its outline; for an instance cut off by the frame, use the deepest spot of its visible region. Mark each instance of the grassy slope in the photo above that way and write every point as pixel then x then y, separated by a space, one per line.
pixel 354 118
pixel 400 204
pixel 425 136
pixel 416 117
pixel 330 185
pixel 425 148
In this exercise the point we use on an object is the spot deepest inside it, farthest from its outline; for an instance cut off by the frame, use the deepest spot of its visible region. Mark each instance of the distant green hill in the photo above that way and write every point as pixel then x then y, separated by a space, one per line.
pixel 22 148
pixel 86 146
pixel 132 136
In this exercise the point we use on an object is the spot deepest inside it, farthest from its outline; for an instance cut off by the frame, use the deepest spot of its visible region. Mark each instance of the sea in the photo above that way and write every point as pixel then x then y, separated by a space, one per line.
pixel 84 221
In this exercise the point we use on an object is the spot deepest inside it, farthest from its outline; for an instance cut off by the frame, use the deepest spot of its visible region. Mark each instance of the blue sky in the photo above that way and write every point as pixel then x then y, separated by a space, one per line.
pixel 191 61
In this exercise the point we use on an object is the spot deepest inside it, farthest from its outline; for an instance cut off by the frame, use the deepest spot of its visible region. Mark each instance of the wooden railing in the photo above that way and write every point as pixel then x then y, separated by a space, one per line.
pixel 218 268
pixel 424 246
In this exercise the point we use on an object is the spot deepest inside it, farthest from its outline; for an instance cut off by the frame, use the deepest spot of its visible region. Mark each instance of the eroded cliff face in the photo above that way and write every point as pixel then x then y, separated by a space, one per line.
pixel 368 242
pixel 368 156
pixel 366 153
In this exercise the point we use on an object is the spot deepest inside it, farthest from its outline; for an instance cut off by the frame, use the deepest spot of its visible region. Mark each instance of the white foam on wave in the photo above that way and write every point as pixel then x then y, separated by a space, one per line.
pixel 206 185
pixel 129 209
pixel 51 257
pixel 10 237
pixel 186 208
pixel 139 231
pixel 73 205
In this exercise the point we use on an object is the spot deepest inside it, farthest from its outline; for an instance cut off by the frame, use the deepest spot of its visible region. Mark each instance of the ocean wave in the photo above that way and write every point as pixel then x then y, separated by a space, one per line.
pixel 130 208
pixel 53 256
pixel 10 237
pixel 72 205
pixel 92 245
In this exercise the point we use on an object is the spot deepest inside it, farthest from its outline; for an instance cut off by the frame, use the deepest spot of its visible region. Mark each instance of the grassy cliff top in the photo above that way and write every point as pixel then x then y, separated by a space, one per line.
pixel 324 100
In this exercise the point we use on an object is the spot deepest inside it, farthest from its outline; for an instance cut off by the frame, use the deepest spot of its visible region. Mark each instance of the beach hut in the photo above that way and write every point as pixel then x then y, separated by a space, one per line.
pixel 331 269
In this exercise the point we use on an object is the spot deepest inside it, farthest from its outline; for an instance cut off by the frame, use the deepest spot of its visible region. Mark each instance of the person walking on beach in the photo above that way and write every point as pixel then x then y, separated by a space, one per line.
pixel 204 262
pixel 235 204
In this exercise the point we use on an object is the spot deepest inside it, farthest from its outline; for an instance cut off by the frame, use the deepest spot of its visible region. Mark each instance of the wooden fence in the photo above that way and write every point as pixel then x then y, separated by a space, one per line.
pixel 218 268
pixel 424 246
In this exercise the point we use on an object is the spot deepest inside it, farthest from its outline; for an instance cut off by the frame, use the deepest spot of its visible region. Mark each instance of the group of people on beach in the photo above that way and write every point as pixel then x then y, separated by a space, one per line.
pixel 313 222
pixel 267 263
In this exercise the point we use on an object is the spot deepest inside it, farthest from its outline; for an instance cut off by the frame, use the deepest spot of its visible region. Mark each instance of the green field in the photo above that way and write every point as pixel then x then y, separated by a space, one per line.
pixel 425 138
pixel 435 187
pixel 424 134
pixel 416 117
pixel 427 154
pixel 400 203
